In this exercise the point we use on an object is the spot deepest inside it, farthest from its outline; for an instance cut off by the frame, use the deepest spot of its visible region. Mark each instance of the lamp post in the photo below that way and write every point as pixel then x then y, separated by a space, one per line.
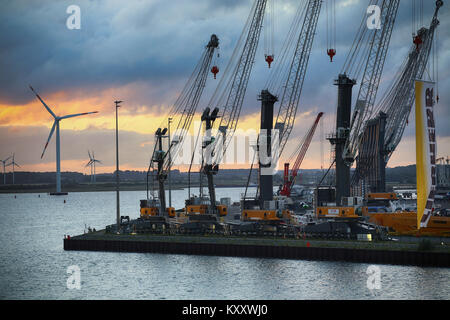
pixel 117 164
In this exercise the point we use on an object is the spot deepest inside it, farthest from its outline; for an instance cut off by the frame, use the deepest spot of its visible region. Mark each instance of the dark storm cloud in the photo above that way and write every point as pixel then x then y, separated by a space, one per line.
pixel 319 93
pixel 118 43
pixel 159 42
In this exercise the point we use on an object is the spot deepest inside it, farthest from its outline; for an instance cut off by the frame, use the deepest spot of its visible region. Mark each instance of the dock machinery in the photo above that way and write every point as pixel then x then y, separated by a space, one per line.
pixel 334 207
pixel 288 76
pixel 383 133
pixel 226 104
pixel 162 160
pixel 368 52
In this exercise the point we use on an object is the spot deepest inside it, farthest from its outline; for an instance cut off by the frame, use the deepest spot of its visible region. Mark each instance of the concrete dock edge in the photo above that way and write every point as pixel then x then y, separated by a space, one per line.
pixel 416 258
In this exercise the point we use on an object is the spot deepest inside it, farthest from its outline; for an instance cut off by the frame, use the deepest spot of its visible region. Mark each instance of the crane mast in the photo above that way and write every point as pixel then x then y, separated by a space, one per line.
pixel 297 71
pixel 378 48
pixel 184 109
pixel 234 92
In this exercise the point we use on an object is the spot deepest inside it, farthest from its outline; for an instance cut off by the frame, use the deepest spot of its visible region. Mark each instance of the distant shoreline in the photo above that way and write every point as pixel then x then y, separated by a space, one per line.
pixel 94 188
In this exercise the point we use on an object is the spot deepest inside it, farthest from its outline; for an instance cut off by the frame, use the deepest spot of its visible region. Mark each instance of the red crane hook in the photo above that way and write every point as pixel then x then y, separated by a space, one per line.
pixel 417 41
pixel 331 53
pixel 215 70
pixel 269 59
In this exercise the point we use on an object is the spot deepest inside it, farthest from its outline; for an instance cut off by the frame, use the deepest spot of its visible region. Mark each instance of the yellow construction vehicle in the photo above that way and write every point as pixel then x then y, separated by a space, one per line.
pixel 149 209
pixel 380 212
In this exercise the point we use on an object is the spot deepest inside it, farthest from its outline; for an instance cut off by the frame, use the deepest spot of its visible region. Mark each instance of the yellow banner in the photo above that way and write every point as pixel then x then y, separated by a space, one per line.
pixel 425 152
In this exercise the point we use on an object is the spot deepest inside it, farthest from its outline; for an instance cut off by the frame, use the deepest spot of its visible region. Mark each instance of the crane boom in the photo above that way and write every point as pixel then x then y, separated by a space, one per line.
pixel 398 103
pixel 286 190
pixel 187 102
pixel 297 71
pixel 230 111
pixel 233 93
pixel 184 109
pixel 382 134
pixel 378 47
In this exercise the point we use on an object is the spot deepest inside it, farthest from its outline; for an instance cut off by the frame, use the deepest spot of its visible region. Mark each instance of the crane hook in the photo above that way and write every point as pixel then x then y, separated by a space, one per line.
pixel 417 41
pixel 331 53
pixel 269 59
pixel 215 70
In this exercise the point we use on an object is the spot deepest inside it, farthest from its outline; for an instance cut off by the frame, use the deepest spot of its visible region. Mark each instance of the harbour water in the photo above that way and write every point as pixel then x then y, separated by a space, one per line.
pixel 33 264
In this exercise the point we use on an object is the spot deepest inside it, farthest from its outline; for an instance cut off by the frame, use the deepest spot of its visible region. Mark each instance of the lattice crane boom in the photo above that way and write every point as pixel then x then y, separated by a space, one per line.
pixel 236 88
pixel 296 76
pixel 187 102
pixel 398 103
pixel 183 109
pixel 229 96
pixel 378 48
pixel 383 133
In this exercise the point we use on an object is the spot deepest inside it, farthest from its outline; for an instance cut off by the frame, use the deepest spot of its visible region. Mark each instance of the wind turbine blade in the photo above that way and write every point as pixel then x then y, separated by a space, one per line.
pixel 89 155
pixel 7 159
pixel 78 114
pixel 45 105
pixel 16 164
pixel 49 137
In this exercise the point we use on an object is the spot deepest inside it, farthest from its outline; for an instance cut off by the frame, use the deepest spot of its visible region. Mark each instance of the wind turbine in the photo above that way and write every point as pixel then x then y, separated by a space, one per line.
pixel 13 163
pixel 58 147
pixel 4 168
pixel 91 163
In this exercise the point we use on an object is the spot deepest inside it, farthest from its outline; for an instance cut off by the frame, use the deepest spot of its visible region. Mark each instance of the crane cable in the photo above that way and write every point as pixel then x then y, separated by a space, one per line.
pixel 436 48
pixel 249 175
pixel 192 160
pixel 275 83
pixel 435 58
pixel 413 18
pixel 330 7
pixel 322 138
pixel 354 51
pixel 218 97
pixel 417 15
pixel 269 32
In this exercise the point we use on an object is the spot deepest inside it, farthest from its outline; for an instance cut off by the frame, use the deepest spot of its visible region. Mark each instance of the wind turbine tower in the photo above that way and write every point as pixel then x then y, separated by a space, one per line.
pixel 58 146
pixel 4 168
pixel 14 164
pixel 89 164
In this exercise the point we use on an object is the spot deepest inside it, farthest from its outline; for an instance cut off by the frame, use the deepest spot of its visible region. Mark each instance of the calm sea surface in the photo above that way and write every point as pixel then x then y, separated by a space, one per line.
pixel 33 264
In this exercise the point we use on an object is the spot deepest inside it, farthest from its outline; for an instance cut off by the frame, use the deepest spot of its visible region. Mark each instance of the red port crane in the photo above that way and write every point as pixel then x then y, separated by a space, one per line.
pixel 288 182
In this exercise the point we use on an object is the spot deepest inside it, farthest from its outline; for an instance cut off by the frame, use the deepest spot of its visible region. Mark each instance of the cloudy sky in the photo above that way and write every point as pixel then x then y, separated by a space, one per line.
pixel 143 51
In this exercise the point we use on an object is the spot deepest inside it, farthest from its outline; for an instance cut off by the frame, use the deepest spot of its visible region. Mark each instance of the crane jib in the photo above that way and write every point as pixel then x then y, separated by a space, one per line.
pixel 294 81
pixel 378 47
pixel 230 110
